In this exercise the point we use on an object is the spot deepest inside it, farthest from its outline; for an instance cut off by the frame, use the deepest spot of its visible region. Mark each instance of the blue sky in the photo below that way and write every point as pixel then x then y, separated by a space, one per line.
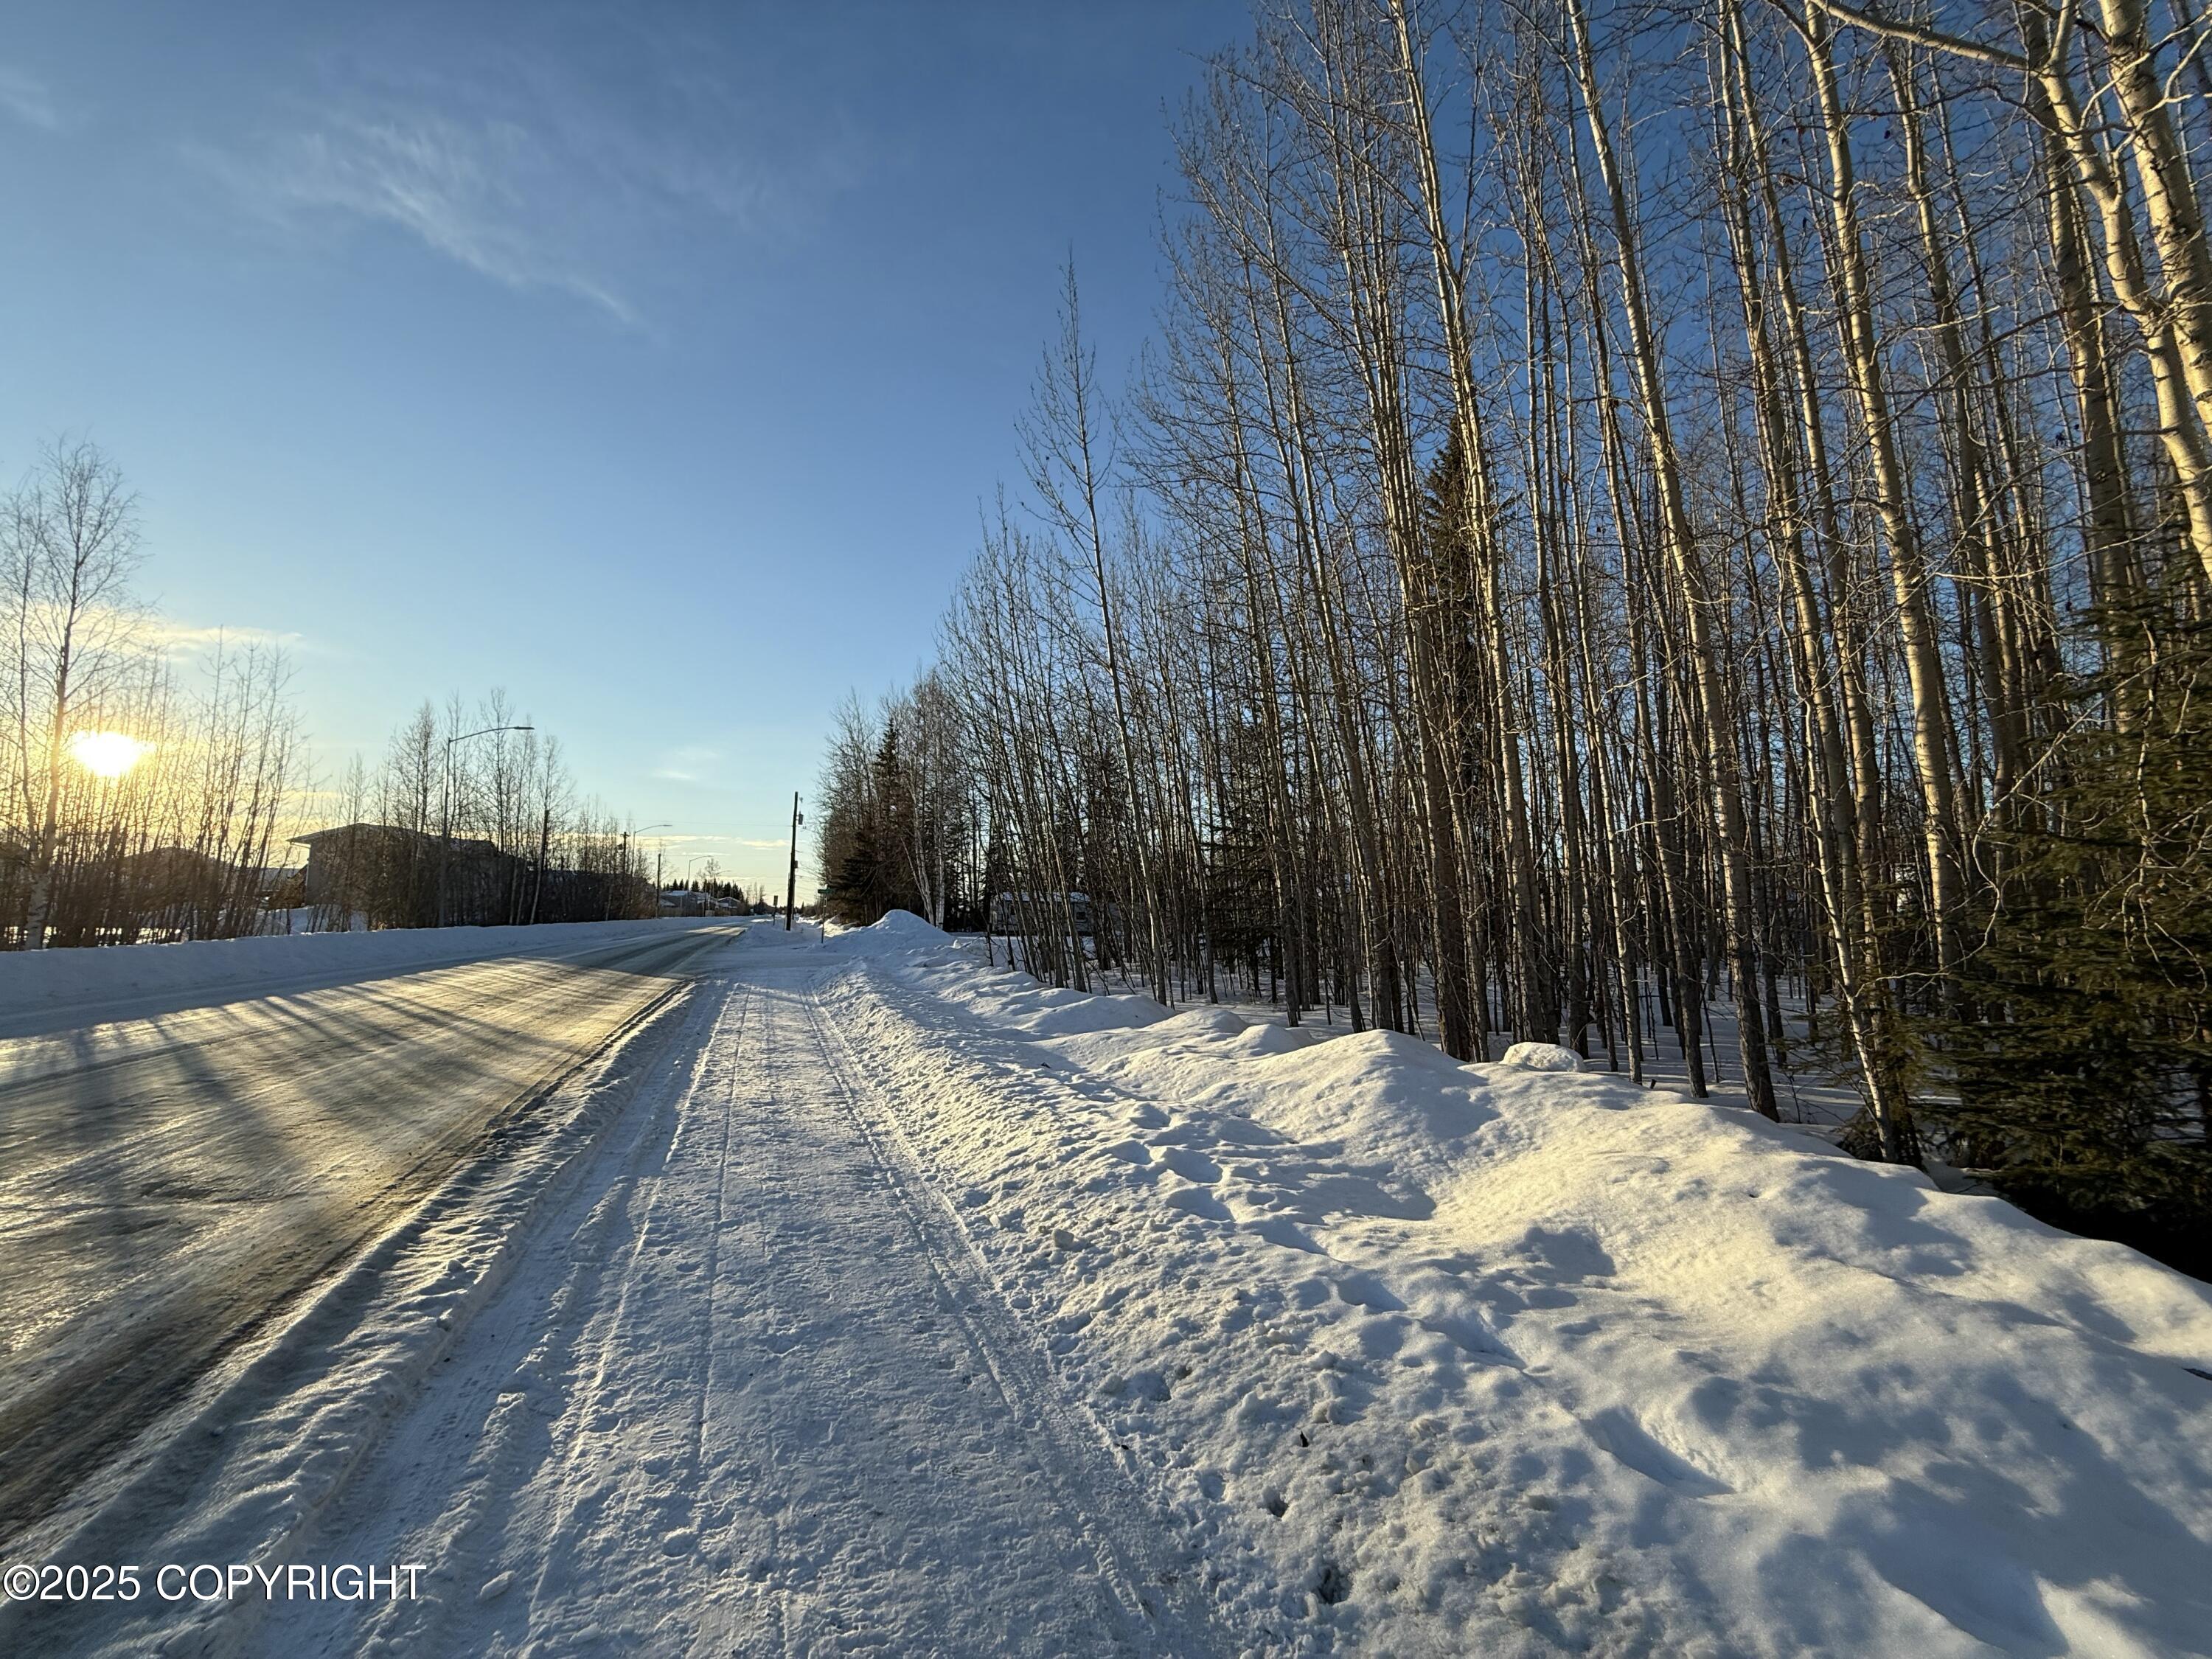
pixel 648 360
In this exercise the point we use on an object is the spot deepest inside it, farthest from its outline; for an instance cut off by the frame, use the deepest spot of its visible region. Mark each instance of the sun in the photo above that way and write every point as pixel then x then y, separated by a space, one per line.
pixel 107 753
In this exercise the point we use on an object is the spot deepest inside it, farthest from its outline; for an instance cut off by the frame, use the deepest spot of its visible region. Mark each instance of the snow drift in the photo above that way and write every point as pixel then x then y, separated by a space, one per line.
pixel 1434 1358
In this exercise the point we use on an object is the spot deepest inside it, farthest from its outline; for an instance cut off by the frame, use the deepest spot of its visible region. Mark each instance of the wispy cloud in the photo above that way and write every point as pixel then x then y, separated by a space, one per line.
pixel 687 839
pixel 547 168
pixel 132 631
pixel 177 639
pixel 462 189
pixel 692 764
pixel 28 99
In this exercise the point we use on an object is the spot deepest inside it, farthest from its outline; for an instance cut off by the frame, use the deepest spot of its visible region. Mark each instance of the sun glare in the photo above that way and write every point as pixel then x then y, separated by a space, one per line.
pixel 107 753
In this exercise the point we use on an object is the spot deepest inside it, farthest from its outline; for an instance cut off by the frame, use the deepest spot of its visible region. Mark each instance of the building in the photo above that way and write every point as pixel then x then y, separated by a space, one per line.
pixel 391 875
pixel 1014 913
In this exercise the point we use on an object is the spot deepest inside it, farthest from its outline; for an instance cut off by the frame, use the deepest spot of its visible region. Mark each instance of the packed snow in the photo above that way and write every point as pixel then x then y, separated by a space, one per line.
pixel 874 1299
pixel 1442 1358
pixel 172 1188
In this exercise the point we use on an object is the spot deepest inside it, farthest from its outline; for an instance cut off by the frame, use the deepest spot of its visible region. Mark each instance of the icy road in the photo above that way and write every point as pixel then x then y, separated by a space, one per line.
pixel 169 1185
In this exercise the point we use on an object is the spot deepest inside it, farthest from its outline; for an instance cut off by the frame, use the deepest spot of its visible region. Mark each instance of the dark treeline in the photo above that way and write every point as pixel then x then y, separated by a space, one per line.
pixel 898 828
pixel 154 784
pixel 1634 514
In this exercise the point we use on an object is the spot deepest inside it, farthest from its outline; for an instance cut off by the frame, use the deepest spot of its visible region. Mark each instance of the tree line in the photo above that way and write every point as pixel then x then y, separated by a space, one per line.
pixel 472 818
pixel 1638 522
pixel 148 793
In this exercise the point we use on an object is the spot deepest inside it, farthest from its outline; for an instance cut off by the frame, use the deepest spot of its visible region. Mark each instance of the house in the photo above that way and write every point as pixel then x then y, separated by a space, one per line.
pixel 175 870
pixel 1012 913
pixel 345 849
pixel 393 875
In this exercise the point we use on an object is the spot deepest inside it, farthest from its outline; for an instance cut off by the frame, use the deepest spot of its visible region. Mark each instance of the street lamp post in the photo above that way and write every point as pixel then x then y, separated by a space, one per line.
pixel 657 849
pixel 446 827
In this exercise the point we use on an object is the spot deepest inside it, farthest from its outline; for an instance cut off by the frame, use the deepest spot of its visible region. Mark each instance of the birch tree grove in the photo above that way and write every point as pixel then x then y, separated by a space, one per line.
pixel 1677 529
pixel 138 798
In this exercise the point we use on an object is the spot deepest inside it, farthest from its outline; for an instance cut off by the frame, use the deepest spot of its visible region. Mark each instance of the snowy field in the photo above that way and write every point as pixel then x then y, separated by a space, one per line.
pixel 862 1299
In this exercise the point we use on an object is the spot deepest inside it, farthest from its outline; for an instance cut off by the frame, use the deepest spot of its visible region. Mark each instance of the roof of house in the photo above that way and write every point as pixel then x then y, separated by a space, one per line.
pixel 459 844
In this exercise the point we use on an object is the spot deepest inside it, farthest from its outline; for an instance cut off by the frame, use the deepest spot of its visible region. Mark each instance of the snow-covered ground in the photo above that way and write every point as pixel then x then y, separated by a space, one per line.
pixel 1807 1091
pixel 868 1300
pixel 1446 1358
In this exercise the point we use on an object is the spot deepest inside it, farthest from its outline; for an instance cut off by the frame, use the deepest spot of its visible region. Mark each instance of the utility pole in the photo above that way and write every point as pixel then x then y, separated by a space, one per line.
pixel 544 852
pixel 791 886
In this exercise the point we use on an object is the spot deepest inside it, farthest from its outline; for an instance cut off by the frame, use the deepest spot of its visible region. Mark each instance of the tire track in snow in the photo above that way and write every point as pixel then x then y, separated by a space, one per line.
pixel 261 1169
pixel 478 1462
pixel 252 1472
pixel 1166 1615
pixel 582 1489
pixel 759 1404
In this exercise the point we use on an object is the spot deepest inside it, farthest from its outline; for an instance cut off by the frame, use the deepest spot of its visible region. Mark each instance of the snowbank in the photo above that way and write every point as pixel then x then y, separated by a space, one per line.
pixel 1542 1057
pixel 1434 1358
pixel 46 990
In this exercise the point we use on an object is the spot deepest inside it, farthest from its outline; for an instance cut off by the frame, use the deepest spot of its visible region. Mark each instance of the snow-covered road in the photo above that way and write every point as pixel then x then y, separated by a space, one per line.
pixel 740 1386
pixel 750 1396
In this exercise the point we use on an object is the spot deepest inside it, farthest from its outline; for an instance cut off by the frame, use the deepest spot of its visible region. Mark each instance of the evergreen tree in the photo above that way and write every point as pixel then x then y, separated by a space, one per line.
pixel 872 875
pixel 2082 1051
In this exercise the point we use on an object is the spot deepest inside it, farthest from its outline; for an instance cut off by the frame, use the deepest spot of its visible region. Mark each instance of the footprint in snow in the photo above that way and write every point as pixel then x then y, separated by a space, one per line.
pixel 1191 1164
pixel 1199 1202
pixel 1147 1384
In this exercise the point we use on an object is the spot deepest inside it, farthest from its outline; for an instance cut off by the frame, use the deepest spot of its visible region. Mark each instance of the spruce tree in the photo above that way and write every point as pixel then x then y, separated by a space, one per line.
pixel 2081 1050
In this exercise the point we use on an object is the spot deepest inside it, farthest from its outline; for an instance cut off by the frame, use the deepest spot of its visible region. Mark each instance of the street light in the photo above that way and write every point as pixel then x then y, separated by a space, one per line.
pixel 446 831
pixel 663 825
